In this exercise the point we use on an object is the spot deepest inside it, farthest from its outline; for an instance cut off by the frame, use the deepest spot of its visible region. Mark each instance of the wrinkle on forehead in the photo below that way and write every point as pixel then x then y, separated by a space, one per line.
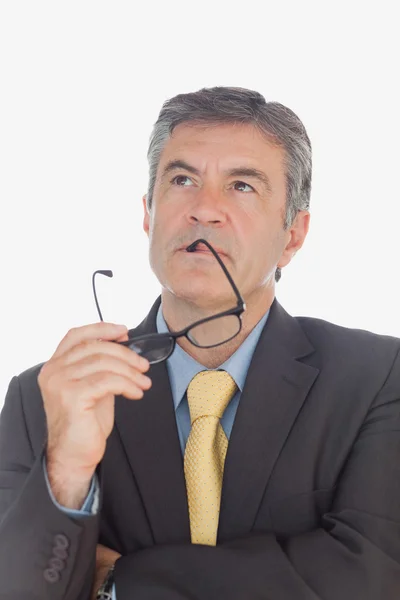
pixel 238 142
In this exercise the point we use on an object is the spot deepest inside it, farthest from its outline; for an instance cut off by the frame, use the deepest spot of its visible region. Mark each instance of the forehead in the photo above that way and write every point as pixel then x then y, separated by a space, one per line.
pixel 224 146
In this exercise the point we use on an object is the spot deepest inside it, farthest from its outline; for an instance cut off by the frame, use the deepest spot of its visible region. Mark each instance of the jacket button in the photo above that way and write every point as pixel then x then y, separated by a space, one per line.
pixel 51 575
pixel 60 552
pixel 57 563
pixel 61 540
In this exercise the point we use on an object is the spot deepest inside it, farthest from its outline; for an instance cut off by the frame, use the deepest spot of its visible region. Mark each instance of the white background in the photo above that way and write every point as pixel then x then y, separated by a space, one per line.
pixel 82 84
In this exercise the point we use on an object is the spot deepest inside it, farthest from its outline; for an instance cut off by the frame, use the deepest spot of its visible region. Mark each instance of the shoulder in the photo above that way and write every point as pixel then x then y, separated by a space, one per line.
pixel 353 345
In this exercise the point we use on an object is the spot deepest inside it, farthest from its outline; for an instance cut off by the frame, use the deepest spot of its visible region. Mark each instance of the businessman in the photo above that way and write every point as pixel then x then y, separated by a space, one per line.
pixel 251 455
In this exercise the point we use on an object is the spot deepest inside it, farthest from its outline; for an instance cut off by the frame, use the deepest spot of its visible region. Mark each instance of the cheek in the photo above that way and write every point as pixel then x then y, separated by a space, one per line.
pixel 163 220
pixel 254 231
pixel 162 242
pixel 156 229
pixel 263 242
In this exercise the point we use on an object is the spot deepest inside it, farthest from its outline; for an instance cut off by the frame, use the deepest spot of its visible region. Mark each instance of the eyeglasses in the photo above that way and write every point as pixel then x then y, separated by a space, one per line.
pixel 206 333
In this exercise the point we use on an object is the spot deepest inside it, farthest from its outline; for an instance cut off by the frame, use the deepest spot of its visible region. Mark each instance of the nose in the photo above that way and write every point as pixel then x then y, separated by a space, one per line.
pixel 207 208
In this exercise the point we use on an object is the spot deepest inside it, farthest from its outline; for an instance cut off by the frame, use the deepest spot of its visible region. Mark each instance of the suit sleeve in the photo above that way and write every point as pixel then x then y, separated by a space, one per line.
pixel 354 554
pixel 90 505
pixel 44 552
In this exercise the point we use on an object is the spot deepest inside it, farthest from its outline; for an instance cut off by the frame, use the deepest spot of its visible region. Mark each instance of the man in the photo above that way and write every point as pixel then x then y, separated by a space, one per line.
pixel 290 489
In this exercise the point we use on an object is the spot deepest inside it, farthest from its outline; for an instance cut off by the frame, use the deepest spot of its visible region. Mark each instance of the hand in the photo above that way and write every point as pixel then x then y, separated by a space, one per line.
pixel 78 386
pixel 105 558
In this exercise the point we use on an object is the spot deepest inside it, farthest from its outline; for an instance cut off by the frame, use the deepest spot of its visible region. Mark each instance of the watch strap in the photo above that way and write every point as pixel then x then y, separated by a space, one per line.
pixel 105 590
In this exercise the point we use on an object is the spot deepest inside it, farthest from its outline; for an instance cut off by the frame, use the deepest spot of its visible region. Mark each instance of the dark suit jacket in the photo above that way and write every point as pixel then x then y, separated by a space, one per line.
pixel 311 493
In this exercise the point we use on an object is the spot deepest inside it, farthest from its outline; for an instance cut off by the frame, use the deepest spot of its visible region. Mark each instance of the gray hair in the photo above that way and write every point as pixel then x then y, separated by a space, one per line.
pixel 221 105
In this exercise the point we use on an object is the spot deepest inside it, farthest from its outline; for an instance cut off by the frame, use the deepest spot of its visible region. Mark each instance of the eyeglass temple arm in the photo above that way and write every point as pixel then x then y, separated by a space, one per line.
pixel 192 247
pixel 108 274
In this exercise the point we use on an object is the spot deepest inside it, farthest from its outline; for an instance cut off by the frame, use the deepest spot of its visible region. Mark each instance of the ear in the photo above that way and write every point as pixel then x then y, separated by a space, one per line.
pixel 146 218
pixel 296 234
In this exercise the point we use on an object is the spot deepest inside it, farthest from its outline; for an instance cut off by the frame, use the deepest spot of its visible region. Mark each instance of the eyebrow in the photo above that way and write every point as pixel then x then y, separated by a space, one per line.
pixel 176 164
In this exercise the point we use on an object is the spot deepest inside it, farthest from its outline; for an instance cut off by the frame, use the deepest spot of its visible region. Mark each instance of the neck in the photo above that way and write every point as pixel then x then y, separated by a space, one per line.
pixel 179 313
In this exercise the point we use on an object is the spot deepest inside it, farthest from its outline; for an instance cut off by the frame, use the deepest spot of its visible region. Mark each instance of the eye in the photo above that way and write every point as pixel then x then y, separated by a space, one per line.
pixel 179 177
pixel 243 183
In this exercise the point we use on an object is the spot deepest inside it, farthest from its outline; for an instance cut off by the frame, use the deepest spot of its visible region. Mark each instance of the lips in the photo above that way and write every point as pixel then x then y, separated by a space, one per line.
pixel 204 249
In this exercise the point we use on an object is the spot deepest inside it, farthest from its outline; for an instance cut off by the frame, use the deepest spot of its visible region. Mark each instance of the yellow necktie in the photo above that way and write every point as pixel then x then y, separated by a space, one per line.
pixel 208 394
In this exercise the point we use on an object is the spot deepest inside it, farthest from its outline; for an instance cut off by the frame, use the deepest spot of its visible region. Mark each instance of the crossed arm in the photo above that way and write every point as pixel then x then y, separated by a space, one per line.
pixel 354 554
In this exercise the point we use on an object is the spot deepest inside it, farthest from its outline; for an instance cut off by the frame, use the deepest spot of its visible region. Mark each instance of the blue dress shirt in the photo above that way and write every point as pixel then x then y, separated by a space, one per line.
pixel 181 370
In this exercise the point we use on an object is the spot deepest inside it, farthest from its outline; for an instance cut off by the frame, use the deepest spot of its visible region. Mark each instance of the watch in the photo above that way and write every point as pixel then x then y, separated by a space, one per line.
pixel 105 590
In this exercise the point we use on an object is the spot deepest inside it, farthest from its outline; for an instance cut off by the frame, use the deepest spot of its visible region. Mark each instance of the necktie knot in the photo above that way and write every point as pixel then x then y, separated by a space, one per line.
pixel 209 394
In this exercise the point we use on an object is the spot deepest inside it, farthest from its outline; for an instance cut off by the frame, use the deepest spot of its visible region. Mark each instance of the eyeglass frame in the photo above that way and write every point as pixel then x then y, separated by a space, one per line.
pixel 237 311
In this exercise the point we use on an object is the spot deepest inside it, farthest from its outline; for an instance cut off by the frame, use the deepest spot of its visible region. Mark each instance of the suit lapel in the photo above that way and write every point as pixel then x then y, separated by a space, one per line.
pixel 275 390
pixel 148 431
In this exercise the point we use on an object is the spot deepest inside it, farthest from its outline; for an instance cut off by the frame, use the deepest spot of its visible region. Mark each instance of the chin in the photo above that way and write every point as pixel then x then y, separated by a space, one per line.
pixel 198 284
pixel 199 294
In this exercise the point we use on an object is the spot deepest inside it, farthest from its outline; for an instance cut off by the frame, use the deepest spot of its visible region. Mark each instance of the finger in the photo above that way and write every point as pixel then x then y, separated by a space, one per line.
pixel 102 347
pixel 123 338
pixel 95 331
pixel 107 364
pixel 94 387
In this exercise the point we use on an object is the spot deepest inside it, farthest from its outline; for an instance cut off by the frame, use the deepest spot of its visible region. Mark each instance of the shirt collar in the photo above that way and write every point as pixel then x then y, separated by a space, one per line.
pixel 182 367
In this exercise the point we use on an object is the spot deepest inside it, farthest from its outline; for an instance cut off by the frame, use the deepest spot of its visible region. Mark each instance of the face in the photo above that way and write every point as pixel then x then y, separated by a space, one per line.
pixel 239 212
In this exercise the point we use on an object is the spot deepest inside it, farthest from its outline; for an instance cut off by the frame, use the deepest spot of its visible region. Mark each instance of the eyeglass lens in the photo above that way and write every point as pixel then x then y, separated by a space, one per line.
pixel 154 350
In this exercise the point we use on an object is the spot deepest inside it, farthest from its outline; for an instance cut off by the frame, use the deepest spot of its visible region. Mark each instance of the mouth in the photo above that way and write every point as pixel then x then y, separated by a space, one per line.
pixel 203 249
